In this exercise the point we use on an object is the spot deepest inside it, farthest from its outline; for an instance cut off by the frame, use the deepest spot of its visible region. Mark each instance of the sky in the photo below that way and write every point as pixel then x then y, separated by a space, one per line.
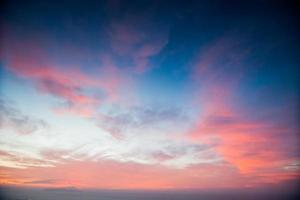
pixel 149 94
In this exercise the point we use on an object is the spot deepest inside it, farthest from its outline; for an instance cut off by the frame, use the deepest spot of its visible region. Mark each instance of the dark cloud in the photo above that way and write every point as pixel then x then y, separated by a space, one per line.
pixel 43 181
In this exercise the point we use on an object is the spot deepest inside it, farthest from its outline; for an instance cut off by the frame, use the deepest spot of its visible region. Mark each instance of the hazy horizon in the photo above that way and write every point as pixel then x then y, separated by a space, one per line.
pixel 21 193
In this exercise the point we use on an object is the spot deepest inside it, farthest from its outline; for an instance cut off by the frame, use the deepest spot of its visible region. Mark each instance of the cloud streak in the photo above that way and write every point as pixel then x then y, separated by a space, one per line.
pixel 119 121
pixel 10 117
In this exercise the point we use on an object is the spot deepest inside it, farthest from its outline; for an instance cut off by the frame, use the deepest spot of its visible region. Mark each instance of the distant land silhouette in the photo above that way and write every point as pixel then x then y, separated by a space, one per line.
pixel 72 193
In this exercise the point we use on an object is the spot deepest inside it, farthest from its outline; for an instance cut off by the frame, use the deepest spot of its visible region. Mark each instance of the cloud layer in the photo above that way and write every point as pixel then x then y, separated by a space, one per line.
pixel 147 95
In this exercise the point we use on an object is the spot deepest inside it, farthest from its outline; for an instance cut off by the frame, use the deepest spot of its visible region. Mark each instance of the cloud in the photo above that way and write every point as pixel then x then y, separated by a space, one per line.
pixel 13 159
pixel 137 134
pixel 256 147
pixel 136 38
pixel 149 135
pixel 66 85
pixel 43 181
pixel 77 102
pixel 109 174
pixel 79 92
pixel 119 121
pixel 221 60
pixel 115 175
pixel 10 117
pixel 80 82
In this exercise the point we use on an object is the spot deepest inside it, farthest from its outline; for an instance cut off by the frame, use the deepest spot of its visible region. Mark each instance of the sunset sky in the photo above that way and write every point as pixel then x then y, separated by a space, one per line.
pixel 149 94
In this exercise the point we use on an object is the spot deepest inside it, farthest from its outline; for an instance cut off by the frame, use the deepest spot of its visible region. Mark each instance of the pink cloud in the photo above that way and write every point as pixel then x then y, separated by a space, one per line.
pixel 252 147
pixel 107 174
pixel 30 60
pixel 256 148
pixel 67 85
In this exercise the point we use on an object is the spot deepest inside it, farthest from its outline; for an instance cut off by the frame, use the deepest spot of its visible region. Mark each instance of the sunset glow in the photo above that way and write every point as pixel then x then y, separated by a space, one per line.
pixel 149 95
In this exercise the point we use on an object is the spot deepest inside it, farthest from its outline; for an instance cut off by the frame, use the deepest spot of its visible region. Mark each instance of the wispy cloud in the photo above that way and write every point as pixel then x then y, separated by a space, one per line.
pixel 136 39
pixel 43 181
pixel 11 117
pixel 120 121
pixel 113 173
pixel 248 144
